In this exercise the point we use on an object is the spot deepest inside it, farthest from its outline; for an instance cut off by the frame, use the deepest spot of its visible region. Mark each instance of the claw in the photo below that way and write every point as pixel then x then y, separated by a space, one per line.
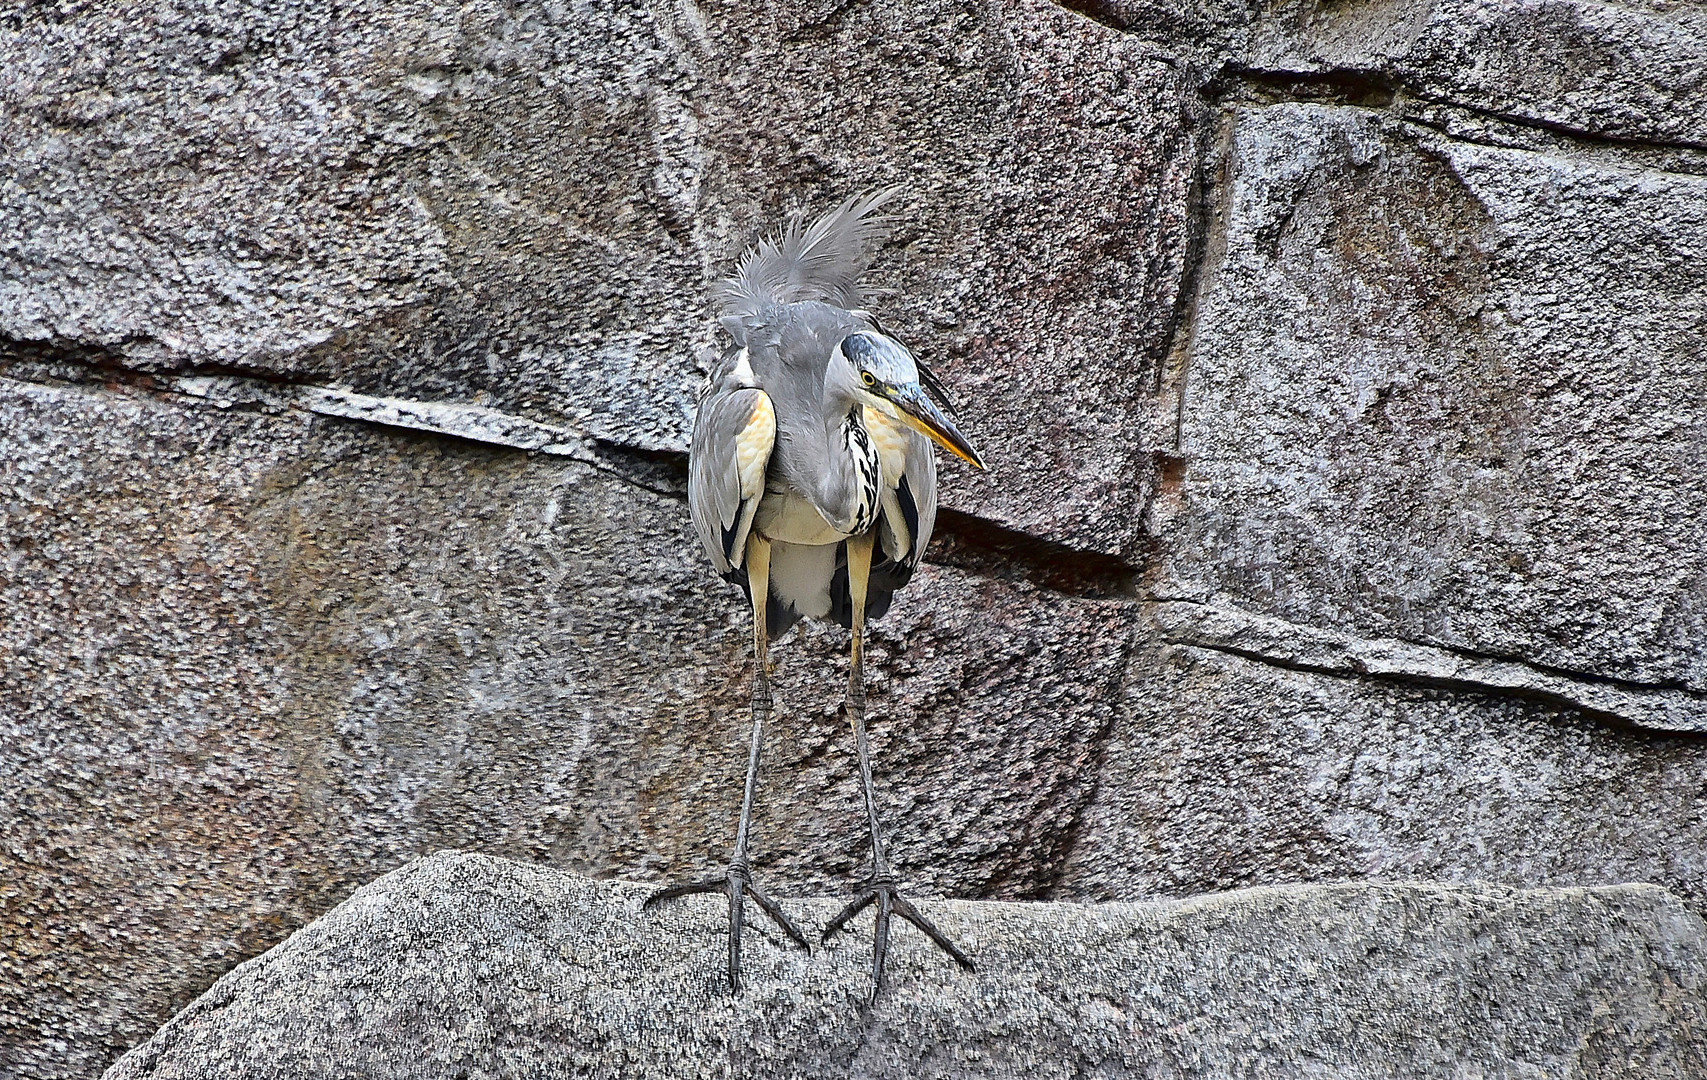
pixel 858 905
pixel 889 903
pixel 907 911
pixel 736 884
pixel 780 917
pixel 689 888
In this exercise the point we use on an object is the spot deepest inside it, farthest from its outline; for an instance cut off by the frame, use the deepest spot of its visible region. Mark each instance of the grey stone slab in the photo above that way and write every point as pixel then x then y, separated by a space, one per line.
pixel 1632 71
pixel 465 965
pixel 1451 395
pixel 1228 771
pixel 521 208
pixel 253 658
pixel 1331 652
pixel 464 201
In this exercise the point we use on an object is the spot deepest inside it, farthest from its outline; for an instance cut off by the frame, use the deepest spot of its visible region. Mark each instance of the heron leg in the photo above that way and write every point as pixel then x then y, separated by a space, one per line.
pixel 881 888
pixel 737 880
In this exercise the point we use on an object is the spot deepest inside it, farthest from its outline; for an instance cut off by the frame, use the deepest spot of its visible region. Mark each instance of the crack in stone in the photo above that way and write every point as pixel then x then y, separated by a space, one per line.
pixel 28 362
pixel 1556 127
pixel 476 423
pixel 1659 707
pixel 60 360
pixel 962 540
pixel 984 547
pixel 1097 12
pixel 1372 89
pixel 1357 87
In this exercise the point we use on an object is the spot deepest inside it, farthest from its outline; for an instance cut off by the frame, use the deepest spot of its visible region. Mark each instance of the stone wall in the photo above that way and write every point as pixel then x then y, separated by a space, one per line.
pixel 1339 367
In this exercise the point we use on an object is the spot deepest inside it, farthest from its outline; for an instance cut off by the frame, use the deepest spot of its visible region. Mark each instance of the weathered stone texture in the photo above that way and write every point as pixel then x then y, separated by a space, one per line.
pixel 1225 772
pixel 464 965
pixel 1468 411
pixel 1612 70
pixel 1339 366
pixel 254 658
pixel 522 207
pixel 146 780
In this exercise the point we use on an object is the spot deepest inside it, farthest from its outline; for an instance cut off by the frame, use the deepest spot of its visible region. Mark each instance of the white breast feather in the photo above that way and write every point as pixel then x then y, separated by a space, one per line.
pixel 890 438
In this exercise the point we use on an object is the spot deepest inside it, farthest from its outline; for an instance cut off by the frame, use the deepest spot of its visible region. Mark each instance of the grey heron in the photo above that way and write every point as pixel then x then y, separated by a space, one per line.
pixel 812 483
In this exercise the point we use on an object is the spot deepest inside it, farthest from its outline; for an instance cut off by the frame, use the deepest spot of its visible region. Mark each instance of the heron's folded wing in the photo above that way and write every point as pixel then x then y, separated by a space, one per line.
pixel 732 440
pixel 921 490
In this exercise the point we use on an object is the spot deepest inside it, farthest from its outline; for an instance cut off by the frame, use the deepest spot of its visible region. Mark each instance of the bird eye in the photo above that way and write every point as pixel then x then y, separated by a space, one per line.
pixel 868 378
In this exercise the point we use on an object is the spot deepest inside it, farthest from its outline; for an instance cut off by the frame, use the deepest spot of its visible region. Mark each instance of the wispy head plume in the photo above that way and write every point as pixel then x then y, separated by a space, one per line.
pixel 822 261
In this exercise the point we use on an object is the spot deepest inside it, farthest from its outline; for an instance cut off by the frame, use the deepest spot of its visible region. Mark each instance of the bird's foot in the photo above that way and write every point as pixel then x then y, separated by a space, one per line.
pixel 736 883
pixel 881 893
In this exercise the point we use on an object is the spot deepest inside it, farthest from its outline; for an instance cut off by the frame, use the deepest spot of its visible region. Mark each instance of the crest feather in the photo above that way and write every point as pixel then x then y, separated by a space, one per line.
pixel 823 261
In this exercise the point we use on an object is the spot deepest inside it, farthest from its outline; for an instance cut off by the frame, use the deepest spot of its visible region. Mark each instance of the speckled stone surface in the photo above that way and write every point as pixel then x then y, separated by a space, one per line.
pixel 1339 364
pixel 524 204
pixel 1470 411
pixel 463 965
pixel 252 660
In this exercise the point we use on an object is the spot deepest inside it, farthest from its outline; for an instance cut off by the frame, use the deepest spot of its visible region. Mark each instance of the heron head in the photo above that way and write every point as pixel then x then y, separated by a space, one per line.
pixel 886 377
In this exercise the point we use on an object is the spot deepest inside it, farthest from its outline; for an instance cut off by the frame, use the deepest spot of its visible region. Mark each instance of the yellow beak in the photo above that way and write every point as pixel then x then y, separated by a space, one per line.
pixel 921 414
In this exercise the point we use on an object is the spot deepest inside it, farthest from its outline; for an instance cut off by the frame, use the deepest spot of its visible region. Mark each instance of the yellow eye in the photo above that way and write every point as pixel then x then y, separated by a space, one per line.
pixel 868 378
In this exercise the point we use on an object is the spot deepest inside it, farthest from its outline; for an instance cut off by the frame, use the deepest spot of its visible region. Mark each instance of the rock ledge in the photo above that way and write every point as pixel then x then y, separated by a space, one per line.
pixel 463 965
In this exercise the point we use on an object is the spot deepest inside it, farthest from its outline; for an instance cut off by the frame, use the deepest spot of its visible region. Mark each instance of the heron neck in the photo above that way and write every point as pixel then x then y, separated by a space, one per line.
pixel 847 495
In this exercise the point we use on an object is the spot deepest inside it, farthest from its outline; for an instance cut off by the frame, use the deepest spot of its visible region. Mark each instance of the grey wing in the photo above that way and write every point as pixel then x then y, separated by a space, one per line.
pixel 732 439
pixel 920 477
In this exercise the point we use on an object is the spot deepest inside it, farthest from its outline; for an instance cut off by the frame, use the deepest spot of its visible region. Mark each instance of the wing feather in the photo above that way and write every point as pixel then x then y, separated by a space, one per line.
pixel 733 435
pixel 920 490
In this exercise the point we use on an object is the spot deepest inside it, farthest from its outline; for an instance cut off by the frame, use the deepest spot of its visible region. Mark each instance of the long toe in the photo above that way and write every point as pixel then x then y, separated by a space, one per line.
pixel 686 888
pixel 736 884
pixel 855 906
pixel 778 916
pixel 889 903
pixel 737 922
pixel 913 915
